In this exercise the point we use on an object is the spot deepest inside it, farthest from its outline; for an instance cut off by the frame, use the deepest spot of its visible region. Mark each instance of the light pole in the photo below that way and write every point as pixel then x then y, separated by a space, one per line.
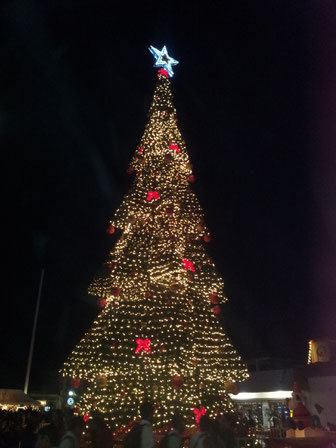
pixel 31 348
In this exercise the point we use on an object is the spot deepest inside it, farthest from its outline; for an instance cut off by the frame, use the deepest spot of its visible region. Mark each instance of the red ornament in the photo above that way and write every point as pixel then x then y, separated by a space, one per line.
pixel 85 417
pixel 207 238
pixel 169 302
pixel 110 229
pixel 115 291
pixel 188 265
pixel 163 72
pixel 191 178
pixel 195 361
pixel 214 299
pixel 152 195
pixel 216 310
pixel 169 211
pixel 140 150
pixel 143 344
pixel 101 302
pixel 147 294
pixel 75 383
pixel 168 158
pixel 130 170
pixel 177 382
pixel 198 413
pixel 174 147
pixel 122 393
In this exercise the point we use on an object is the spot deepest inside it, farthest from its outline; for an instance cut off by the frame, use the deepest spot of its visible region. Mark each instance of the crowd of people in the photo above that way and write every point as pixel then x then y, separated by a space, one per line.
pixel 35 429
pixel 61 429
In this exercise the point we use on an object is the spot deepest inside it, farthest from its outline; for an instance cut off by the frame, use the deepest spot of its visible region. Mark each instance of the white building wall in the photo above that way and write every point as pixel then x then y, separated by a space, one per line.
pixel 323 392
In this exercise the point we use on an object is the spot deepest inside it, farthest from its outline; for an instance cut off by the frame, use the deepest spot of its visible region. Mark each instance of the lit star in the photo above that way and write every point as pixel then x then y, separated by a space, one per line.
pixel 162 59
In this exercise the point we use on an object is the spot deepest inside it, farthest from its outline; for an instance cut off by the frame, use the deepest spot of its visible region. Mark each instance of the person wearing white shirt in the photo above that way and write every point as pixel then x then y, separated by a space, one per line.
pixel 71 438
pixel 146 412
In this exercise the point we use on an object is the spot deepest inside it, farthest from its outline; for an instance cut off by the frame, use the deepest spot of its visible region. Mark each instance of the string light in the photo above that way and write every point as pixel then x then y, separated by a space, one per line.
pixel 155 293
pixel 310 344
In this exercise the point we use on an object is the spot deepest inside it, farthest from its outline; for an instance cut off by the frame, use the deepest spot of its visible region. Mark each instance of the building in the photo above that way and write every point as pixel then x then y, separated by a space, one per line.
pixel 265 396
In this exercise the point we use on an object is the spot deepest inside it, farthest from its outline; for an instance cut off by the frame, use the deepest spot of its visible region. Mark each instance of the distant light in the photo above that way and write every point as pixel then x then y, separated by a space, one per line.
pixel 43 402
pixel 47 408
pixel 275 395
pixel 70 393
pixel 70 401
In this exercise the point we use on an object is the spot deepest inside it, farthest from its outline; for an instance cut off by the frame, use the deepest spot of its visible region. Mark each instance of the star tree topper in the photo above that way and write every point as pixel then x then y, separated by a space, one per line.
pixel 162 59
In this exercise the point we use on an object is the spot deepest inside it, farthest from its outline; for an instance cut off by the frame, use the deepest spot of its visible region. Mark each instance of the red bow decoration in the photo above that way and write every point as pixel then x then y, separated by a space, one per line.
pixel 174 147
pixel 163 72
pixel 188 265
pixel 143 344
pixel 198 413
pixel 152 195
pixel 140 150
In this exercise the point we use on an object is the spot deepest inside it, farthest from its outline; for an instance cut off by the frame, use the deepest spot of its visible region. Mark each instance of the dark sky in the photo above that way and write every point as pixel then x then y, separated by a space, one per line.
pixel 255 93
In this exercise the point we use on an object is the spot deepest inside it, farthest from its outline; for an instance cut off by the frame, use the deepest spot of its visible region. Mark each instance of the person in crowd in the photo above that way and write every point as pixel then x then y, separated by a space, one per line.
pixel 141 434
pixel 29 435
pixel 57 421
pixel 201 439
pixel 214 438
pixel 174 437
pixel 67 417
pixel 226 431
pixel 147 413
pixel 100 434
pixel 47 437
pixel 73 435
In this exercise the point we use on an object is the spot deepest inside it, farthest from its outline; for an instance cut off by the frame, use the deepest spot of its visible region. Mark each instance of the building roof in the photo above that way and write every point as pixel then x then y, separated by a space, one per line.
pixel 16 397
pixel 268 381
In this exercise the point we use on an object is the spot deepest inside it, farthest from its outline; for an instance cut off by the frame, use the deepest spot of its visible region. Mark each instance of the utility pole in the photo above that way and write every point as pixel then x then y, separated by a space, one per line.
pixel 31 348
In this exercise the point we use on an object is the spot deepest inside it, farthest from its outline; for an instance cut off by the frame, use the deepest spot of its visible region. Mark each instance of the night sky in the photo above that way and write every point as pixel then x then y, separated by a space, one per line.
pixel 255 93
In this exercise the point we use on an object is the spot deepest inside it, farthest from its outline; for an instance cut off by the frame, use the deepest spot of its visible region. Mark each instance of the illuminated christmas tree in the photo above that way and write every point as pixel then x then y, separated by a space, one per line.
pixel 158 336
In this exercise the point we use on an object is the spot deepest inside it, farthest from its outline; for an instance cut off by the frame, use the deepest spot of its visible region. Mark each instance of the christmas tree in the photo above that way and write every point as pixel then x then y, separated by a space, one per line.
pixel 157 337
